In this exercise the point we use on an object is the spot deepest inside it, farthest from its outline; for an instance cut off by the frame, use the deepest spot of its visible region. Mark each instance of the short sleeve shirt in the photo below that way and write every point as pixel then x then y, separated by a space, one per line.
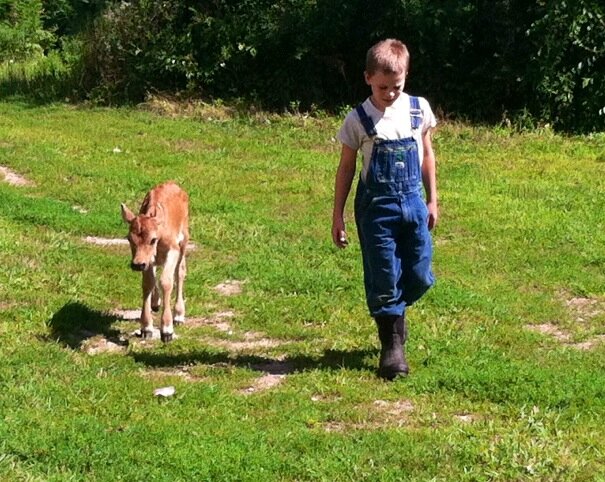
pixel 393 123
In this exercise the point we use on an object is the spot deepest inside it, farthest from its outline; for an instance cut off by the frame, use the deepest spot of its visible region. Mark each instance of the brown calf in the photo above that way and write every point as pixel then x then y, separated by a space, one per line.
pixel 158 236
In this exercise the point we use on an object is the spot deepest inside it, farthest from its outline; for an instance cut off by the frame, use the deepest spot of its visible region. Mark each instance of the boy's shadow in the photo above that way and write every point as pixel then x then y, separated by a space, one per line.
pixel 75 323
pixel 329 360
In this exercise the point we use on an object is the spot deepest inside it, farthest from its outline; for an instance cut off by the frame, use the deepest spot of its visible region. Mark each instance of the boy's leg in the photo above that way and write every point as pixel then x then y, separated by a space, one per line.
pixel 411 263
pixel 382 271
pixel 382 267
pixel 415 250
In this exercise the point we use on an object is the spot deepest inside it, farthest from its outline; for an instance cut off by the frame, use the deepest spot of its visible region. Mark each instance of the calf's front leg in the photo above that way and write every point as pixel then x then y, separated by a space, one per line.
pixel 155 298
pixel 146 317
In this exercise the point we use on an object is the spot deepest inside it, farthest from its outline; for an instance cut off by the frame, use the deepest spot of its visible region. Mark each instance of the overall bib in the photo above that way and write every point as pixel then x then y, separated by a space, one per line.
pixel 392 222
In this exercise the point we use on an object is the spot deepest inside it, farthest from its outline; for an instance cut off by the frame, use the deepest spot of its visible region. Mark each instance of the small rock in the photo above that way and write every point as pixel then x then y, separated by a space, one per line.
pixel 164 392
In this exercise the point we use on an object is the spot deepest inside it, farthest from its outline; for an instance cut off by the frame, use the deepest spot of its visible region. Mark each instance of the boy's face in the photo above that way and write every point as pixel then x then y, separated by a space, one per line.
pixel 386 88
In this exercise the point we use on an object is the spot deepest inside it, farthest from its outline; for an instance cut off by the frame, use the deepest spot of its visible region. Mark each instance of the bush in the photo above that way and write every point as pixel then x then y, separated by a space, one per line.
pixel 568 65
pixel 134 47
pixel 478 60
pixel 21 32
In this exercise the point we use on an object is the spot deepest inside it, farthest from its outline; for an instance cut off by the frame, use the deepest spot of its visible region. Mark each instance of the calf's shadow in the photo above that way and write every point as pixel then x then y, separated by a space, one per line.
pixel 75 323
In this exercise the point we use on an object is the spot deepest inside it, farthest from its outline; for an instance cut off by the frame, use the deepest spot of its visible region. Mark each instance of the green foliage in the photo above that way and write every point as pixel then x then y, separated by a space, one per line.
pixel 135 47
pixel 68 18
pixel 569 64
pixel 506 60
pixel 470 56
pixel 22 35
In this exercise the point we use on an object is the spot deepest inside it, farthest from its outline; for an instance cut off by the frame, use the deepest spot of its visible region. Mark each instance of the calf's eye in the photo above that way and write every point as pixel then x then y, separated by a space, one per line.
pixel 153 241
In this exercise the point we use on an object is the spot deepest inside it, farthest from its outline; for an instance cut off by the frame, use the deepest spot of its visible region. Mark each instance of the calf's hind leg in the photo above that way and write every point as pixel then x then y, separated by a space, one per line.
pixel 167 282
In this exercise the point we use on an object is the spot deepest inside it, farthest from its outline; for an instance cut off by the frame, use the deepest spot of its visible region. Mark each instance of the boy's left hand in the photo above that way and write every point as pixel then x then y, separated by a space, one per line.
pixel 433 214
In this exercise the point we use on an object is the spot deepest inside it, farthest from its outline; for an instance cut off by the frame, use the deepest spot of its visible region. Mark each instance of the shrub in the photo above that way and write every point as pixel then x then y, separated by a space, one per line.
pixel 134 47
pixel 569 64
pixel 534 63
pixel 21 32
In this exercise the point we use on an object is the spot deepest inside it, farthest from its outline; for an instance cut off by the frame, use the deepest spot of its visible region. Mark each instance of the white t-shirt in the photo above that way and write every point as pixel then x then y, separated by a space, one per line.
pixel 393 123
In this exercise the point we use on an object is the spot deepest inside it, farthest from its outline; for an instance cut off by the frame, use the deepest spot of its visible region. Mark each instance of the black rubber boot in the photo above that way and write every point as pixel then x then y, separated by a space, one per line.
pixel 392 332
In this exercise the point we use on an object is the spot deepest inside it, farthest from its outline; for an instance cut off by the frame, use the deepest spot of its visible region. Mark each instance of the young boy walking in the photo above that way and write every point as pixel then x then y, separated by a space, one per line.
pixel 393 132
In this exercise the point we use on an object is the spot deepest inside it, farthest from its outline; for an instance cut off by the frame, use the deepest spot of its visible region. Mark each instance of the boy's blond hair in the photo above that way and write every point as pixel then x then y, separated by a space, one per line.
pixel 389 56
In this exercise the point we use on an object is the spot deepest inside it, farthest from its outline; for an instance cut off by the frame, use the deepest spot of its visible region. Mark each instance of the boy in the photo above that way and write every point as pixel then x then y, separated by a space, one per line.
pixel 393 132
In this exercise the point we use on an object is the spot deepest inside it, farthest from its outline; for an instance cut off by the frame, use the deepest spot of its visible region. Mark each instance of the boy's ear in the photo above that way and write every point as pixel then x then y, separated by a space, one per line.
pixel 367 77
pixel 127 214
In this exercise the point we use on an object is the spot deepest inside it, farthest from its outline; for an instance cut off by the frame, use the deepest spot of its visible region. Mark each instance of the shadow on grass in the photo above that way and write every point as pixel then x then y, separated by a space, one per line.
pixel 330 360
pixel 75 323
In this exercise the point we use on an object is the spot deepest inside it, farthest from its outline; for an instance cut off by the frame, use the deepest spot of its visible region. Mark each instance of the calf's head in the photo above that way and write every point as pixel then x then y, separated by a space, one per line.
pixel 143 236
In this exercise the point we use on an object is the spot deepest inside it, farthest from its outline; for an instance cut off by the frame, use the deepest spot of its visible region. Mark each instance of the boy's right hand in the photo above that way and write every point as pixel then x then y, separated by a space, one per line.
pixel 339 235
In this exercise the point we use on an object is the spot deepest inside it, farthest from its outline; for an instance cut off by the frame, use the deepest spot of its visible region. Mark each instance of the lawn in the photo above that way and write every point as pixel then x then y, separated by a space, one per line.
pixel 274 370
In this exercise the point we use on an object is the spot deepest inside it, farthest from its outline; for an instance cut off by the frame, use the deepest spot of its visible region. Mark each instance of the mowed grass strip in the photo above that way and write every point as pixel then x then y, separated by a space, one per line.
pixel 275 371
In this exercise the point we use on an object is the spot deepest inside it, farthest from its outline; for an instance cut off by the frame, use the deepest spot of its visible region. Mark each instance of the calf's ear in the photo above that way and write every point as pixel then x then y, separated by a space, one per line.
pixel 127 214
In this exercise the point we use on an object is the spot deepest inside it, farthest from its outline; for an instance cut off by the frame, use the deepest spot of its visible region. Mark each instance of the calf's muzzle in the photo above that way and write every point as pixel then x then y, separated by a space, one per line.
pixel 138 266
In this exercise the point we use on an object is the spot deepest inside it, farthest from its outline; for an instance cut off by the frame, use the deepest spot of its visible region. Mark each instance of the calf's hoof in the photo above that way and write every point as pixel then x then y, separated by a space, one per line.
pixel 155 308
pixel 179 319
pixel 146 334
pixel 166 337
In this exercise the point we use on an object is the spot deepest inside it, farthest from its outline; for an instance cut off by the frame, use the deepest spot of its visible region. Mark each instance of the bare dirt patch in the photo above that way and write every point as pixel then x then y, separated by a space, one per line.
pixel 274 373
pixel 466 417
pixel 98 344
pixel 395 408
pixel 564 337
pixel 217 321
pixel 550 329
pixel 229 287
pixel 126 315
pixel 14 179
pixel 252 341
pixel 585 308
pixel 266 382
pixel 106 241
pixel 589 344
pixel 249 341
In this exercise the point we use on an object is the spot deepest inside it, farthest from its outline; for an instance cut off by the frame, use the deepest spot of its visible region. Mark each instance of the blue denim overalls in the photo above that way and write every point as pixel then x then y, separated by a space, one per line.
pixel 392 222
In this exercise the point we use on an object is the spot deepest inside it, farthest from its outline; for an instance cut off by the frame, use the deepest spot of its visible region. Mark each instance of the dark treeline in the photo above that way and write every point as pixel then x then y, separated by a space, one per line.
pixel 480 60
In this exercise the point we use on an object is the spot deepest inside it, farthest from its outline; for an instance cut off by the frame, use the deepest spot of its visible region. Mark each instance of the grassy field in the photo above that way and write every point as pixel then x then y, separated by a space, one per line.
pixel 275 369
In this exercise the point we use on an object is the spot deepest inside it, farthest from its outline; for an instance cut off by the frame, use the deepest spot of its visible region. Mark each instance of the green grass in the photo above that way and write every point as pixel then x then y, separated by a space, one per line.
pixel 521 236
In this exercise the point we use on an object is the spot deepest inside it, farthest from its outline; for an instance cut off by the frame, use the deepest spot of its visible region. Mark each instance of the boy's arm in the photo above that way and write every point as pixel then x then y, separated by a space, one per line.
pixel 342 187
pixel 429 178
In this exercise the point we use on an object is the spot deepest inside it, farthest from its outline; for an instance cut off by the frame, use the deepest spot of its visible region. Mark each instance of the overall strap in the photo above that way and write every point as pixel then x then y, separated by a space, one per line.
pixel 367 123
pixel 415 112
